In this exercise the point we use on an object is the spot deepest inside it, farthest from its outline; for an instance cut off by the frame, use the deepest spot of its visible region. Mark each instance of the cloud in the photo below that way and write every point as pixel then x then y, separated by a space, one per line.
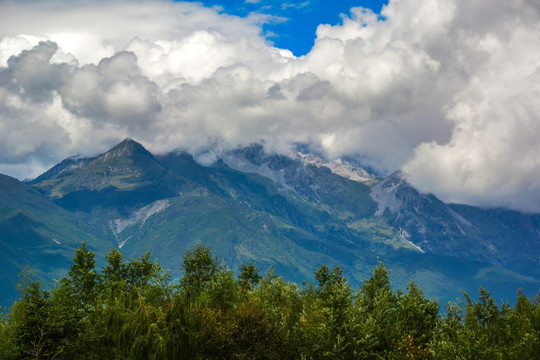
pixel 493 157
pixel 97 29
pixel 32 75
pixel 114 91
pixel 446 90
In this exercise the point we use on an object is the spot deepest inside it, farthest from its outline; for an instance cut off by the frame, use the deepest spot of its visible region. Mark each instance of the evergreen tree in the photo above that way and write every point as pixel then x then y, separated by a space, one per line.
pixel 376 331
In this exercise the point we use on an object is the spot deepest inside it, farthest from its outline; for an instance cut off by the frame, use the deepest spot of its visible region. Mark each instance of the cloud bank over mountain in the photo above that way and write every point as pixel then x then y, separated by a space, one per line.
pixel 446 90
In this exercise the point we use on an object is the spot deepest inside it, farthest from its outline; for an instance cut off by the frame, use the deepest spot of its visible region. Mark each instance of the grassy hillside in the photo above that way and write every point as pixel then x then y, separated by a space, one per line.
pixel 36 232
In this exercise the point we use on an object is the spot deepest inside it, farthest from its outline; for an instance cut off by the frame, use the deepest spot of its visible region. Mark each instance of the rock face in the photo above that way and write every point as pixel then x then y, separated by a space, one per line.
pixel 341 168
pixel 292 212
pixel 415 215
pixel 494 235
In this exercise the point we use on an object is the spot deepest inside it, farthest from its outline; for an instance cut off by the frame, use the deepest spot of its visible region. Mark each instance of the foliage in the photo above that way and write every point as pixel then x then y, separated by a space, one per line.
pixel 130 310
pixel 199 269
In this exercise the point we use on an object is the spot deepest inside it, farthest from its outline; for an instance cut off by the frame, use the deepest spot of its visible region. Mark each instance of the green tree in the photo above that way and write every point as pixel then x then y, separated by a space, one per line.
pixel 6 346
pixel 524 327
pixel 249 276
pixel 283 306
pixel 146 278
pixel 114 276
pixel 374 316
pixel 416 319
pixel 487 325
pixel 199 268
pixel 334 332
pixel 129 311
pixel 222 291
pixel 82 279
pixel 447 342
pixel 38 330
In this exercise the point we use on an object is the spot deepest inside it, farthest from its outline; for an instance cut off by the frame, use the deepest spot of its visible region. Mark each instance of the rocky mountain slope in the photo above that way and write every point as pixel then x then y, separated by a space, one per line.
pixel 494 235
pixel 291 212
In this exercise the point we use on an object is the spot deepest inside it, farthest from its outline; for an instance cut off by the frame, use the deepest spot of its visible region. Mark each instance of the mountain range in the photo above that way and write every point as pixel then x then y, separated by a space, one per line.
pixel 293 213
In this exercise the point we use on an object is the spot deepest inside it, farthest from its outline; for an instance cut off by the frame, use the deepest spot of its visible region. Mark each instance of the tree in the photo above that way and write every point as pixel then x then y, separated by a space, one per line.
pixel 328 280
pixel 525 335
pixel 130 312
pixel 82 279
pixel 222 291
pixel 147 278
pixel 6 345
pixel 417 319
pixel 374 316
pixel 249 276
pixel 199 268
pixel 38 330
pixel 114 275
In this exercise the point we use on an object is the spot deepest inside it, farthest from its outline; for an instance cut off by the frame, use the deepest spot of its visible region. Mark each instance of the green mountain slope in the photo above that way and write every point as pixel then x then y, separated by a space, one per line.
pixel 34 231
pixel 273 210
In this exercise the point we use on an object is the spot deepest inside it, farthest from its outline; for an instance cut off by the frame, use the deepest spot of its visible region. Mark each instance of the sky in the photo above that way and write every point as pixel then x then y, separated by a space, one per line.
pixel 447 91
pixel 292 24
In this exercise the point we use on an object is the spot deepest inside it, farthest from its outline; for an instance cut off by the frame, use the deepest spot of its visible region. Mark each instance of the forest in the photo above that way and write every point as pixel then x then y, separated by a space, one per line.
pixel 132 309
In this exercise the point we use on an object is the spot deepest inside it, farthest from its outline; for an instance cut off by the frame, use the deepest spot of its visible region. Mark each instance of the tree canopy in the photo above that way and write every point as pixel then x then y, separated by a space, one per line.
pixel 131 310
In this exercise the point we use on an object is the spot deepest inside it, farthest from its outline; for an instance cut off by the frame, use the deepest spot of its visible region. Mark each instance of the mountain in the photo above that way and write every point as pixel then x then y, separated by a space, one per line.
pixel 35 231
pixel 497 236
pixel 293 212
pixel 125 169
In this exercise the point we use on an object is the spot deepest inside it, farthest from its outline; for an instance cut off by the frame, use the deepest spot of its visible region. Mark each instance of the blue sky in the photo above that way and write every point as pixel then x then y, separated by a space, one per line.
pixel 299 19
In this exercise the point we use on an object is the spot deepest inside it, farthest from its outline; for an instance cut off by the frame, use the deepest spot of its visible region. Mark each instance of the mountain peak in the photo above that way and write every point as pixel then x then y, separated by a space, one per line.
pixel 128 165
pixel 128 142
pixel 128 147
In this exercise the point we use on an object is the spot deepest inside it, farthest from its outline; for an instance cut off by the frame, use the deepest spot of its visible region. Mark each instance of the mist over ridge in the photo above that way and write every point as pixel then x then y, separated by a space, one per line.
pixel 443 90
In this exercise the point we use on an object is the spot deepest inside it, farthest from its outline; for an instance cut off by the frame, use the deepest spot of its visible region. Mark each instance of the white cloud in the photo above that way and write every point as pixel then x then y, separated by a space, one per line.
pixel 446 89
pixel 493 157
pixel 92 30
